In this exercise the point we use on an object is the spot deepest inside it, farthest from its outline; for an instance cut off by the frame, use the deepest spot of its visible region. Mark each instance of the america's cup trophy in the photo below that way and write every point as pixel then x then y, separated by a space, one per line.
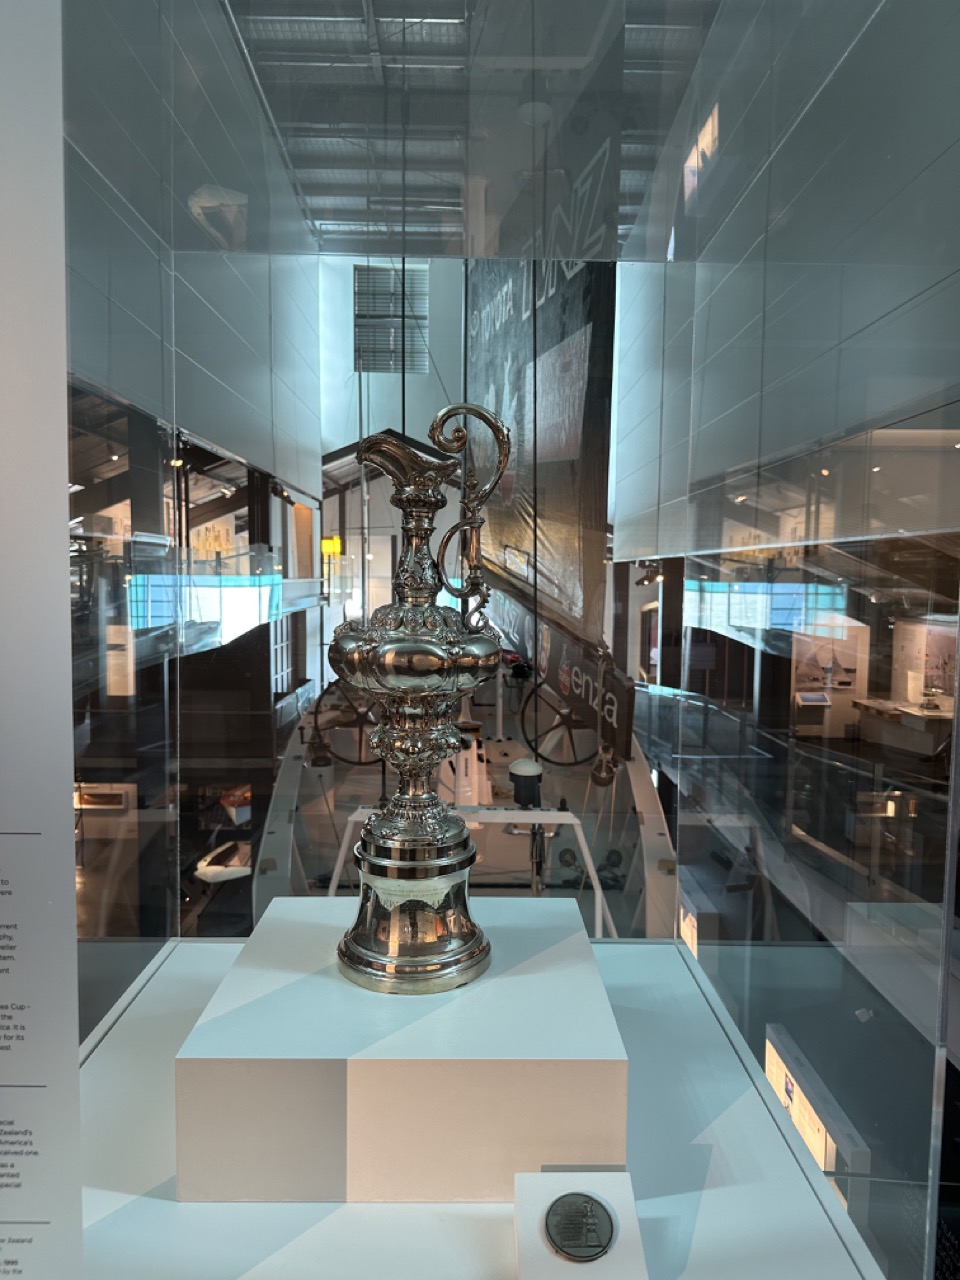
pixel 413 931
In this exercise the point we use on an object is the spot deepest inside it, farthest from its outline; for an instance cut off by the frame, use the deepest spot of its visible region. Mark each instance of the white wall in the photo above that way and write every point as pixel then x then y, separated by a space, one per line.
pixel 36 758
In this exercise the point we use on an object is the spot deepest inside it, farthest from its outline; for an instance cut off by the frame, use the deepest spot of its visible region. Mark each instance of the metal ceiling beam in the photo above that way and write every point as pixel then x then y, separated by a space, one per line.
pixel 323 59
pixel 306 11
pixel 373 42
pixel 214 508
pixel 339 74
pixel 671 13
pixel 359 131
pixel 103 493
pixel 357 190
pixel 434 112
pixel 312 166
pixel 378 114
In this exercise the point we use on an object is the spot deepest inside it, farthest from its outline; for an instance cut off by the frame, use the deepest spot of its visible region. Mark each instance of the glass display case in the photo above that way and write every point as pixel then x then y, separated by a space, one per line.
pixel 812 841
pixel 700 258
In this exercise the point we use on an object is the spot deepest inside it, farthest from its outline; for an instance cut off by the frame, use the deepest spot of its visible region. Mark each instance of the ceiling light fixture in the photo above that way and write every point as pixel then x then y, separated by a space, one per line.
pixel 741 497
pixel 874 469
pixel 651 573
pixel 824 471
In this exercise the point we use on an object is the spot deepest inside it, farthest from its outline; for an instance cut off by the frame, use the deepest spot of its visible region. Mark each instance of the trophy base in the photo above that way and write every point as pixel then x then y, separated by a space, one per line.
pixel 413 934
pixel 416 975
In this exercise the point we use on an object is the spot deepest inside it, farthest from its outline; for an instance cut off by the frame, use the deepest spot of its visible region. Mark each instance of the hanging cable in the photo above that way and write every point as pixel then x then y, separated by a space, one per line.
pixel 404 119
pixel 364 508
pixel 535 656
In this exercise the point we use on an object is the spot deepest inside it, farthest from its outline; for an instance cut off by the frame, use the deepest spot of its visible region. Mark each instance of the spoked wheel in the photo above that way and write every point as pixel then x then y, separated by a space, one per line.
pixel 553 731
pixel 344 717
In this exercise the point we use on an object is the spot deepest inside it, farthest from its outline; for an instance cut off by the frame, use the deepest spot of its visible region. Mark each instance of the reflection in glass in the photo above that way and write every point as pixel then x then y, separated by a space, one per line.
pixel 809 753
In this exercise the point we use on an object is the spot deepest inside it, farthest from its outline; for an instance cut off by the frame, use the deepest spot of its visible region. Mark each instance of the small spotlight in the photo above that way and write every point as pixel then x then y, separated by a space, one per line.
pixel 874 469
pixel 114 457
pixel 741 497
pixel 369 555
pixel 824 471
pixel 176 462
pixel 650 573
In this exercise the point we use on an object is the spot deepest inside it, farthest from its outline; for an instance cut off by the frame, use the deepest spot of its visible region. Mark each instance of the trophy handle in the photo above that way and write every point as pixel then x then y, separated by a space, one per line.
pixel 473 498
pixel 473 584
pixel 470 504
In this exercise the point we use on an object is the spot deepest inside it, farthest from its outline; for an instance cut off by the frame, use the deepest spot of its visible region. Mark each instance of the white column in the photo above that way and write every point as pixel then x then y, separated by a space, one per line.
pixel 39 1107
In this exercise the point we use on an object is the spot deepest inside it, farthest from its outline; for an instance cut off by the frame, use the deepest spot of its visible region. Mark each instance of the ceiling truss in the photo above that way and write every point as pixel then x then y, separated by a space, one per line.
pixel 389 109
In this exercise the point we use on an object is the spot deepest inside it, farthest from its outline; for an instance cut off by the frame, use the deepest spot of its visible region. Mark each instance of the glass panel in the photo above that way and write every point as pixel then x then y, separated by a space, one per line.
pixel 121 530
pixel 771 422
pixel 810 753
pixel 526 130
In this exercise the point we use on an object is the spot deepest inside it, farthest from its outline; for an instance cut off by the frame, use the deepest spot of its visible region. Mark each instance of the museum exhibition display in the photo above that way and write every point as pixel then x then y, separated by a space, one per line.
pixel 608 715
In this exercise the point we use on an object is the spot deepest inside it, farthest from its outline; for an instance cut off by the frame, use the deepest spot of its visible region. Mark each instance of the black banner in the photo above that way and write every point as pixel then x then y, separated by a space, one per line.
pixel 545 540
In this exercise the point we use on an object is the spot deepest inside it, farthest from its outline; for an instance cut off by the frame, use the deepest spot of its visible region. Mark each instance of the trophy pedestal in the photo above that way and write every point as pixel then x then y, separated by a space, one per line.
pixel 296 1085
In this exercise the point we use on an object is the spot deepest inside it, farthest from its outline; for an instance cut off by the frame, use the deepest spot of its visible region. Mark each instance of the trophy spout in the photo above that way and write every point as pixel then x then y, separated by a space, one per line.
pixel 406 467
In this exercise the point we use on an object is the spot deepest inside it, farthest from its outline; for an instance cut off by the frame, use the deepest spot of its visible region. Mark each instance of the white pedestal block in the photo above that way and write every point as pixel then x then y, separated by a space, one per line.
pixel 297 1085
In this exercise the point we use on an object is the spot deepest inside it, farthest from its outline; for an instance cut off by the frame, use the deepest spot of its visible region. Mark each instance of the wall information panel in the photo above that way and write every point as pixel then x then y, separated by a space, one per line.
pixel 39 1072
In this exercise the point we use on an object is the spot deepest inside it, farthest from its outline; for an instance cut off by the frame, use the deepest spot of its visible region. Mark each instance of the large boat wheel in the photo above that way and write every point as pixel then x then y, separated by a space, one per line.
pixel 344 717
pixel 553 731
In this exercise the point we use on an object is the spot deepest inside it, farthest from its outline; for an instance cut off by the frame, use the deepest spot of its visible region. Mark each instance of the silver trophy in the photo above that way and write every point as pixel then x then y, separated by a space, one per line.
pixel 413 931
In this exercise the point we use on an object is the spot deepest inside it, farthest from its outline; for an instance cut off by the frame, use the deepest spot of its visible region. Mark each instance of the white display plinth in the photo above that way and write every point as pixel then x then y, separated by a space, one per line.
pixel 297 1085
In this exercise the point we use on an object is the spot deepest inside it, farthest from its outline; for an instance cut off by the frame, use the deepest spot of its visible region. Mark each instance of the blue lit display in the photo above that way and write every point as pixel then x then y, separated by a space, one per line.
pixel 742 609
pixel 229 605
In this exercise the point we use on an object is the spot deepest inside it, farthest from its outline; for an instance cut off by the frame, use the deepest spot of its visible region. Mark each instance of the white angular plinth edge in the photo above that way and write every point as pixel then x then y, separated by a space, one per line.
pixel 297 1085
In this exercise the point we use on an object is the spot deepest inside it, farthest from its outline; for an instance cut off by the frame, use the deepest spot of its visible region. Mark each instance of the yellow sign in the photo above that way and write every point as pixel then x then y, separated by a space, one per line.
pixel 331 546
